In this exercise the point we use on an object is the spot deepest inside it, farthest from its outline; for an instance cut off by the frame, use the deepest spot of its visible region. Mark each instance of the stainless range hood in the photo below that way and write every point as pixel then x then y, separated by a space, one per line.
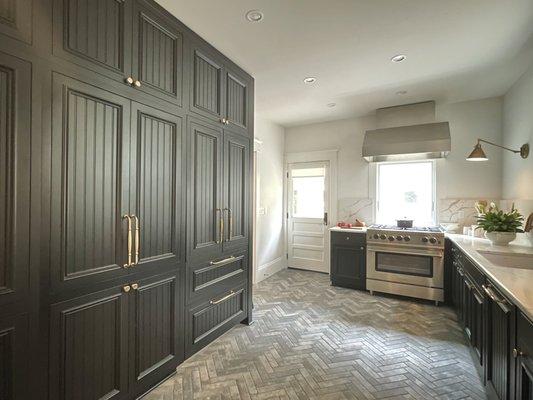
pixel 425 140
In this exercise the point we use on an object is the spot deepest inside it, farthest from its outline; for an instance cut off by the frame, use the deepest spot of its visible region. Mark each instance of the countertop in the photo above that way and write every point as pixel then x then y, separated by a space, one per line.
pixel 351 230
pixel 515 283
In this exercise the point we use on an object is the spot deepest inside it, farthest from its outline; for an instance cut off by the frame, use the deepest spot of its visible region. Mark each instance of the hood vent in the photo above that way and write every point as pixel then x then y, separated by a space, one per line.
pixel 409 142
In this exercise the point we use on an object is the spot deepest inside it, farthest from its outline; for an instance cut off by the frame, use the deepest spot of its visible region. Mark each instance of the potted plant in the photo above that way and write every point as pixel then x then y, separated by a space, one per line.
pixel 500 227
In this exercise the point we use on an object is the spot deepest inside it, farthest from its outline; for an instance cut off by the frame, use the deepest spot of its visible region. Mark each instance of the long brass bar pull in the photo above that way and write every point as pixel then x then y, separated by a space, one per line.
pixel 224 261
pixel 218 238
pixel 230 222
pixel 214 302
pixel 130 241
pixel 137 239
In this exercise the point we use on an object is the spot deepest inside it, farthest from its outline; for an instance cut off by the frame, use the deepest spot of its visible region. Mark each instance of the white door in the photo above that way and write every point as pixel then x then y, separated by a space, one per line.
pixel 308 206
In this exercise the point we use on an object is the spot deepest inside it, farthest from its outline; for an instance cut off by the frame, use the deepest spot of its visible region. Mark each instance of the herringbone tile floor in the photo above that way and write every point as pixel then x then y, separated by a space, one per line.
pixel 314 341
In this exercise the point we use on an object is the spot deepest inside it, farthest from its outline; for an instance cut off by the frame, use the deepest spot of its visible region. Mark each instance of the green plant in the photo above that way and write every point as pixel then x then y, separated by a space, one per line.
pixel 492 219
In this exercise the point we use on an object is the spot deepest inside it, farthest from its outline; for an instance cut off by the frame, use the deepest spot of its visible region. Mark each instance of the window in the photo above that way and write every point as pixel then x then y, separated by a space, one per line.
pixel 308 191
pixel 406 190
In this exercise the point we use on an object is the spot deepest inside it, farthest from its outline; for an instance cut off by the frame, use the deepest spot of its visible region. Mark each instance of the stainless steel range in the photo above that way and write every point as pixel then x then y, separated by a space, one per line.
pixel 406 261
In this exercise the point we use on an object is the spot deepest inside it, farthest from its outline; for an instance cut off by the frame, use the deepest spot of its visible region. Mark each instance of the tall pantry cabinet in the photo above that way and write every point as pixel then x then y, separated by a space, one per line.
pixel 125 197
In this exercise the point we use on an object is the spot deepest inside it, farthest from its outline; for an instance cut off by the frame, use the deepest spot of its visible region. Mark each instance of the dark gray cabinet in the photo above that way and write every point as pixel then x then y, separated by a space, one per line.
pixel 16 19
pixel 500 342
pixel 219 91
pixel 15 100
pixel 523 356
pixel 348 260
pixel 14 356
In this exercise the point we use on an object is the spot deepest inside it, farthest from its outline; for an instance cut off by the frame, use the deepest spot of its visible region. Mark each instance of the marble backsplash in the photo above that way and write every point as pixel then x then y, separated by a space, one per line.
pixel 459 211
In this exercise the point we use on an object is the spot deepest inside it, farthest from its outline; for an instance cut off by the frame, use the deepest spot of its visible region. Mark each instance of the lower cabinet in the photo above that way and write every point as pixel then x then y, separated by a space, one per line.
pixel 500 332
pixel 115 343
pixel 14 357
pixel 208 319
pixel 348 260
pixel 524 358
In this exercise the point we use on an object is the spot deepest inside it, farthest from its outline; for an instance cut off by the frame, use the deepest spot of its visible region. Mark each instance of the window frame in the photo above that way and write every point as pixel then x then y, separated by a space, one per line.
pixel 433 184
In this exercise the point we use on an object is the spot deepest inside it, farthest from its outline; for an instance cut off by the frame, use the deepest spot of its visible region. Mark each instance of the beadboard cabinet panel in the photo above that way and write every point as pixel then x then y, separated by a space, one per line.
pixel 14 356
pixel 16 19
pixel 15 100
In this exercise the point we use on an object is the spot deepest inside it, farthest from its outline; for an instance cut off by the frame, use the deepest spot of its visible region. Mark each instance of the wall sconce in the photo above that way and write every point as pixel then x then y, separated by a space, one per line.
pixel 479 155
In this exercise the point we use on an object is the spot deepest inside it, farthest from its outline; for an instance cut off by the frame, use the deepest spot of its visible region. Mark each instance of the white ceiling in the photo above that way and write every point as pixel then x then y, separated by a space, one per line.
pixel 456 50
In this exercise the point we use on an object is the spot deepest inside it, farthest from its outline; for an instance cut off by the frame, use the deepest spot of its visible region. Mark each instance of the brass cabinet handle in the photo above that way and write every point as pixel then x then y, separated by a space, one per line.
pixel 224 261
pixel 135 286
pixel 517 353
pixel 502 303
pixel 230 223
pixel 214 302
pixel 130 241
pixel 137 83
pixel 217 241
pixel 137 239
pixel 126 288
pixel 130 80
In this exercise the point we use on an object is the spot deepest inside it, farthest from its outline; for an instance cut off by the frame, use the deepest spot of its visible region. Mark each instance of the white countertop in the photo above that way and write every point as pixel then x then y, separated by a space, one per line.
pixel 515 283
pixel 353 230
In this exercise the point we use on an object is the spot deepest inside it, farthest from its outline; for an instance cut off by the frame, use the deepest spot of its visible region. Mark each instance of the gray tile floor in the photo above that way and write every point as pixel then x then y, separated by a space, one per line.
pixel 314 341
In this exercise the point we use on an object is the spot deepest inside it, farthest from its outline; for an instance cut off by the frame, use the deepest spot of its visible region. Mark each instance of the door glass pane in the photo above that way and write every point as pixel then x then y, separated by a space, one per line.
pixel 308 186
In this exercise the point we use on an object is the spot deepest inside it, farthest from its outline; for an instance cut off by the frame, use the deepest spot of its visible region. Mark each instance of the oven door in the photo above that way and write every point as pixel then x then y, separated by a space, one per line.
pixel 414 266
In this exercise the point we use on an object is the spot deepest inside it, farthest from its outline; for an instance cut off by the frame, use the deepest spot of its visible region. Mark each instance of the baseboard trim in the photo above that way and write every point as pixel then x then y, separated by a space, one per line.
pixel 270 268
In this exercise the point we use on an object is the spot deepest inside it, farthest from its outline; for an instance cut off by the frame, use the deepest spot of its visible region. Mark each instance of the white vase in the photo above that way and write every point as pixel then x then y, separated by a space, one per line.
pixel 500 238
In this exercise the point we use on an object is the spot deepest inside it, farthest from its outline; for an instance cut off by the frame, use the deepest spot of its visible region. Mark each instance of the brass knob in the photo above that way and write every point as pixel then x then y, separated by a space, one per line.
pixel 227 121
pixel 224 121
pixel 130 80
pixel 135 286
pixel 517 353
pixel 126 288
pixel 137 84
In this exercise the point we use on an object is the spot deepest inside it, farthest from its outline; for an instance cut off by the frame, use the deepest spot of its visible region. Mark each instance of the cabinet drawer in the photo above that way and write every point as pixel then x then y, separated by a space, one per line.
pixel 348 238
pixel 208 320
pixel 213 277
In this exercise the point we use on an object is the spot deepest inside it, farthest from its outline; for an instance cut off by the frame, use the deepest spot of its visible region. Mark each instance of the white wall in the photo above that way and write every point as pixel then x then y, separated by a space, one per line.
pixel 456 178
pixel 270 239
pixel 517 130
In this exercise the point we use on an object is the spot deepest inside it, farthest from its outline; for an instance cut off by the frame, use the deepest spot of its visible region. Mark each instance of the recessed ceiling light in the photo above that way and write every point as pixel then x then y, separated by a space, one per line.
pixel 254 16
pixel 401 92
pixel 331 105
pixel 398 58
pixel 310 79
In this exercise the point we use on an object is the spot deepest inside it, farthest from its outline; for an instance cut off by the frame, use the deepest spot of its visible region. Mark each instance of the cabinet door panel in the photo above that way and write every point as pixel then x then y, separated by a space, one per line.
pixel 88 347
pixel 157 342
pixel 157 176
pixel 90 148
pixel 205 211
pixel 95 34
pixel 206 85
pixel 157 54
pixel 13 357
pixel 210 319
pixel 236 190
pixel 16 19
pixel 348 266
pixel 237 101
pixel 15 106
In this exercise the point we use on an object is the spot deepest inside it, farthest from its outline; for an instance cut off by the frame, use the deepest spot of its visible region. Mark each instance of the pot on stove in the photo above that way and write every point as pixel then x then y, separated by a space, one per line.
pixel 404 223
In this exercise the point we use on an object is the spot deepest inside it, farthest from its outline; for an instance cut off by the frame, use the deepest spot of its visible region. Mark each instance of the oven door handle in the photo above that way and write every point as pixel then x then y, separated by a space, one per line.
pixel 414 252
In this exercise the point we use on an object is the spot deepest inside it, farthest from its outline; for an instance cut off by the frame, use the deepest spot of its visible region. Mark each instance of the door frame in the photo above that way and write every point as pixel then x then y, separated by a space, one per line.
pixel 330 156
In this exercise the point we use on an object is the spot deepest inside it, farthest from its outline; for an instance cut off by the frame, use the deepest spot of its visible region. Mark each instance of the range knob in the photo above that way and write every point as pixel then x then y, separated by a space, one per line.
pixel 376 236
pixel 391 238
pixel 383 236
pixel 399 237
pixel 432 240
pixel 407 238
pixel 425 239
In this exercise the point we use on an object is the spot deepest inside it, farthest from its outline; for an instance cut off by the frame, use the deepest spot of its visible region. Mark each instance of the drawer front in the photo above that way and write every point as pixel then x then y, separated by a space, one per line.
pixel 213 277
pixel 348 238
pixel 208 320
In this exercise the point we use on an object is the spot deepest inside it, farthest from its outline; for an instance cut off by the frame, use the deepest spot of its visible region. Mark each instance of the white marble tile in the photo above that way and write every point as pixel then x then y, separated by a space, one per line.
pixel 460 211
pixel 350 209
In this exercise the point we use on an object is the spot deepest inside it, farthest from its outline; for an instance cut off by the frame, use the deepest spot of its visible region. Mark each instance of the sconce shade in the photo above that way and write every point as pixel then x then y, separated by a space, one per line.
pixel 477 154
